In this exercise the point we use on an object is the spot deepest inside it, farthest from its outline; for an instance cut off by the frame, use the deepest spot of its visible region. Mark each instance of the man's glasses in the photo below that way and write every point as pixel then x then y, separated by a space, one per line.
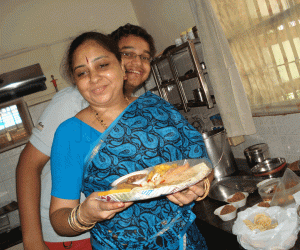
pixel 131 55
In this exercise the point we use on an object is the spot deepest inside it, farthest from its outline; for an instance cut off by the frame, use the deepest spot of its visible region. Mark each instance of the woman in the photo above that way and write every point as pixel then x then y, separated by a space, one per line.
pixel 133 134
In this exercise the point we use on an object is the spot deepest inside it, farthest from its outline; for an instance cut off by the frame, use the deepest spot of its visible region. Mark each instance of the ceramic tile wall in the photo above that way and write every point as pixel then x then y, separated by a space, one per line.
pixel 9 161
pixel 281 133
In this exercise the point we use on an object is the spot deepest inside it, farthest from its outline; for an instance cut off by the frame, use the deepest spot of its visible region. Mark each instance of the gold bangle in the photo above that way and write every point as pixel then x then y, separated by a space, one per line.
pixel 206 187
pixel 75 224
pixel 81 221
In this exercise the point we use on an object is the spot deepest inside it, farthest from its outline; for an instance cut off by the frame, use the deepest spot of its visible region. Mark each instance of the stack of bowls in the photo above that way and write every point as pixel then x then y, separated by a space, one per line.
pixel 270 168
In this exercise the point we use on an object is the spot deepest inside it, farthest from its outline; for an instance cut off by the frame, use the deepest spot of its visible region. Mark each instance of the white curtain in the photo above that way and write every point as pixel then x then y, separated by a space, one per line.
pixel 228 89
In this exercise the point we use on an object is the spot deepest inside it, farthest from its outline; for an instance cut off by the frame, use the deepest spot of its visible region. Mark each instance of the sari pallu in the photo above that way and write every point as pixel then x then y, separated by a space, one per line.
pixel 150 131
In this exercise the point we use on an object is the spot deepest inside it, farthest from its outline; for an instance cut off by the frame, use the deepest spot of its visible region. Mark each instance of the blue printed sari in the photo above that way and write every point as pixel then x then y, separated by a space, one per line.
pixel 150 131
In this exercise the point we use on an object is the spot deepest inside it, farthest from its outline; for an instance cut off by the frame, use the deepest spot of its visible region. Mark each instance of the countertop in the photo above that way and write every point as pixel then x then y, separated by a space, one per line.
pixel 204 210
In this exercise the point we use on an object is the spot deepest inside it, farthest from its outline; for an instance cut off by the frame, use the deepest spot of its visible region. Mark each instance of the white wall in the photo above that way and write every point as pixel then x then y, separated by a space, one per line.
pixel 281 133
pixel 164 19
pixel 30 23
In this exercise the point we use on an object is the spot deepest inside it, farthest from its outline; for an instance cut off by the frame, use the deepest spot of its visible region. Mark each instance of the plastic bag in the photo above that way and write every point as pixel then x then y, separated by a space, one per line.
pixel 281 237
pixel 288 185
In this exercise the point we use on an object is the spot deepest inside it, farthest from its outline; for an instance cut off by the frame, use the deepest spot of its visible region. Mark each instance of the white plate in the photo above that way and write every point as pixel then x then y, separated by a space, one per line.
pixel 143 193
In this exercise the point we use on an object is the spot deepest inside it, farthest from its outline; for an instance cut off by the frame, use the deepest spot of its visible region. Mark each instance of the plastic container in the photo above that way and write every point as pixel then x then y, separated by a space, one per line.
pixel 239 203
pixel 190 34
pixel 183 36
pixel 225 217
pixel 266 189
pixel 178 42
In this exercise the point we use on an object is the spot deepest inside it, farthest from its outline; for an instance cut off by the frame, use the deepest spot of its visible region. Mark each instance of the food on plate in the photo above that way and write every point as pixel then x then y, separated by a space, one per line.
pixel 159 180
pixel 263 204
pixel 166 174
pixel 135 178
pixel 237 197
pixel 227 209
pixel 114 191
pixel 125 185
pixel 262 222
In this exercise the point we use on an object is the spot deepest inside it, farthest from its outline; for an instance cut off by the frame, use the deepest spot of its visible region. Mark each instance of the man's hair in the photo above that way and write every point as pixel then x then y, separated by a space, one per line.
pixel 129 29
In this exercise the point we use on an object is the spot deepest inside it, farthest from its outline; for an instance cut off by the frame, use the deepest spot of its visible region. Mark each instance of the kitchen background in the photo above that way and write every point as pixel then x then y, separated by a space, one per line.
pixel 33 31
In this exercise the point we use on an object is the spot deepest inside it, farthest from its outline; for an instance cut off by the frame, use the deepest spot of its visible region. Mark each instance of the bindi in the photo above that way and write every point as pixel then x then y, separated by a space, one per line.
pixel 87 60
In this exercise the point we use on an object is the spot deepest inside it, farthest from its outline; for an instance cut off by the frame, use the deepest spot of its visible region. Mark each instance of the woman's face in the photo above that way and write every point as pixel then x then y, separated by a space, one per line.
pixel 137 70
pixel 97 73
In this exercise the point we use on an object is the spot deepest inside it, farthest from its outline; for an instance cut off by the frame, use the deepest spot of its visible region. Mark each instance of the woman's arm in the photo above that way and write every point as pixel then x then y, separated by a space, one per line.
pixel 28 180
pixel 90 211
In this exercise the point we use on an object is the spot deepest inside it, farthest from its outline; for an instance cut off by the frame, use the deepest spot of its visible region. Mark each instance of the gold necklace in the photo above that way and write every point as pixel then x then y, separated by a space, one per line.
pixel 99 117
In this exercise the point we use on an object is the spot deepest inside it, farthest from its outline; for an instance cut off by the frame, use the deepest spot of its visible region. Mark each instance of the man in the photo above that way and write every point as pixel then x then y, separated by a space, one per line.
pixel 137 48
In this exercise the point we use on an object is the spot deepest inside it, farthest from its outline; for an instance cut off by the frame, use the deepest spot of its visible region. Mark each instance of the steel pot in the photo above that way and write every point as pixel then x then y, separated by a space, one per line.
pixel 219 152
pixel 270 168
pixel 256 153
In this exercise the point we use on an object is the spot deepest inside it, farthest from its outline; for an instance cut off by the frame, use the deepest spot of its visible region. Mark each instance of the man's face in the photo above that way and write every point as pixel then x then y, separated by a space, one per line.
pixel 137 67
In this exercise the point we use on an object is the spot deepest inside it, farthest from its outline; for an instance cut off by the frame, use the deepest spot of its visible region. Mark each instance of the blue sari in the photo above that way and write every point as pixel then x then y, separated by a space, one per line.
pixel 150 131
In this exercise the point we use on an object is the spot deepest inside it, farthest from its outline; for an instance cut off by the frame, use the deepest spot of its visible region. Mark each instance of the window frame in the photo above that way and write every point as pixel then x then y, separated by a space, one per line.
pixel 26 120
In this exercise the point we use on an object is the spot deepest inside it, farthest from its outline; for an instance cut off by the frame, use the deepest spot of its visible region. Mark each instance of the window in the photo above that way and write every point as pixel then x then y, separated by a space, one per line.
pixel 15 124
pixel 264 38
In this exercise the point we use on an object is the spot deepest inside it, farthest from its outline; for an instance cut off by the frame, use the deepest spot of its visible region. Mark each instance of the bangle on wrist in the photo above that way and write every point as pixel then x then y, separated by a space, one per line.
pixel 206 188
pixel 75 224
pixel 81 221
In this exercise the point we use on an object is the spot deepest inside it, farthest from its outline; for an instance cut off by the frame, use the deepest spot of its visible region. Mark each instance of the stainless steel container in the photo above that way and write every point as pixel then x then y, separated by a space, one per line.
pixel 219 152
pixel 198 95
pixel 257 153
pixel 270 168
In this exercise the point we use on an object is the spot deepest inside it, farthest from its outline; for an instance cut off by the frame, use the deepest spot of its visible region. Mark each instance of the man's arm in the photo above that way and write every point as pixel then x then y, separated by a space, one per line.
pixel 28 178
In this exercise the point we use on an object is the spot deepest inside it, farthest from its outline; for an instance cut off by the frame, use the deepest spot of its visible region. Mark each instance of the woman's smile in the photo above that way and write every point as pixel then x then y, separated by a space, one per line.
pixel 98 74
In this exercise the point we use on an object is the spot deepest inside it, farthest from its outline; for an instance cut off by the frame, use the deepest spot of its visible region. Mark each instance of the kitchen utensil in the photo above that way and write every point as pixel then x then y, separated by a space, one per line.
pixel 219 152
pixel 198 95
pixel 257 153
pixel 270 168
pixel 267 189
pixel 221 189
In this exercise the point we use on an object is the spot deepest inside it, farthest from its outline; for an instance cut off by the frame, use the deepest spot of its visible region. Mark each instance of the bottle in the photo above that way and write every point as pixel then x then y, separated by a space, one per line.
pixel 178 42
pixel 183 36
pixel 195 31
pixel 190 34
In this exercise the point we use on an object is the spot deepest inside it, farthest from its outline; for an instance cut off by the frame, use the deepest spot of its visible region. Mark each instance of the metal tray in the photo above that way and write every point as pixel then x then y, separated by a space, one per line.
pixel 221 189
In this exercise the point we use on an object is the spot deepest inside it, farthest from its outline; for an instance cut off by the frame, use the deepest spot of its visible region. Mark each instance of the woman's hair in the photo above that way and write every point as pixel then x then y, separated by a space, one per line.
pixel 105 41
pixel 138 31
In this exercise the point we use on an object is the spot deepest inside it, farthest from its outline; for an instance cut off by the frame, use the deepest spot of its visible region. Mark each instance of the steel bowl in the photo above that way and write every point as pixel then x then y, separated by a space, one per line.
pixel 270 168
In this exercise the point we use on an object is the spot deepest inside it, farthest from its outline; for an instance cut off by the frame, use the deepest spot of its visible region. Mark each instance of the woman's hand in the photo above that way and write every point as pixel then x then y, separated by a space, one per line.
pixel 188 195
pixel 92 210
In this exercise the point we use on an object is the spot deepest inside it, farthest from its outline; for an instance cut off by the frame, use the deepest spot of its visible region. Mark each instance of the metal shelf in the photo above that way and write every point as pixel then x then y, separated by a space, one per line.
pixel 199 73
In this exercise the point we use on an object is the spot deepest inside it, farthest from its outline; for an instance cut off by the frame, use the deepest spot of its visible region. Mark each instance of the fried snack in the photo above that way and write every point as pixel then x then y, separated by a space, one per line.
pixel 227 209
pixel 263 204
pixel 166 174
pixel 160 170
pixel 237 197
pixel 261 222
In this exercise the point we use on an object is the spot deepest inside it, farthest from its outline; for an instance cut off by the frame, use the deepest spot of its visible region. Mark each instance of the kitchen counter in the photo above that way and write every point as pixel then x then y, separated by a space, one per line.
pixel 204 211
